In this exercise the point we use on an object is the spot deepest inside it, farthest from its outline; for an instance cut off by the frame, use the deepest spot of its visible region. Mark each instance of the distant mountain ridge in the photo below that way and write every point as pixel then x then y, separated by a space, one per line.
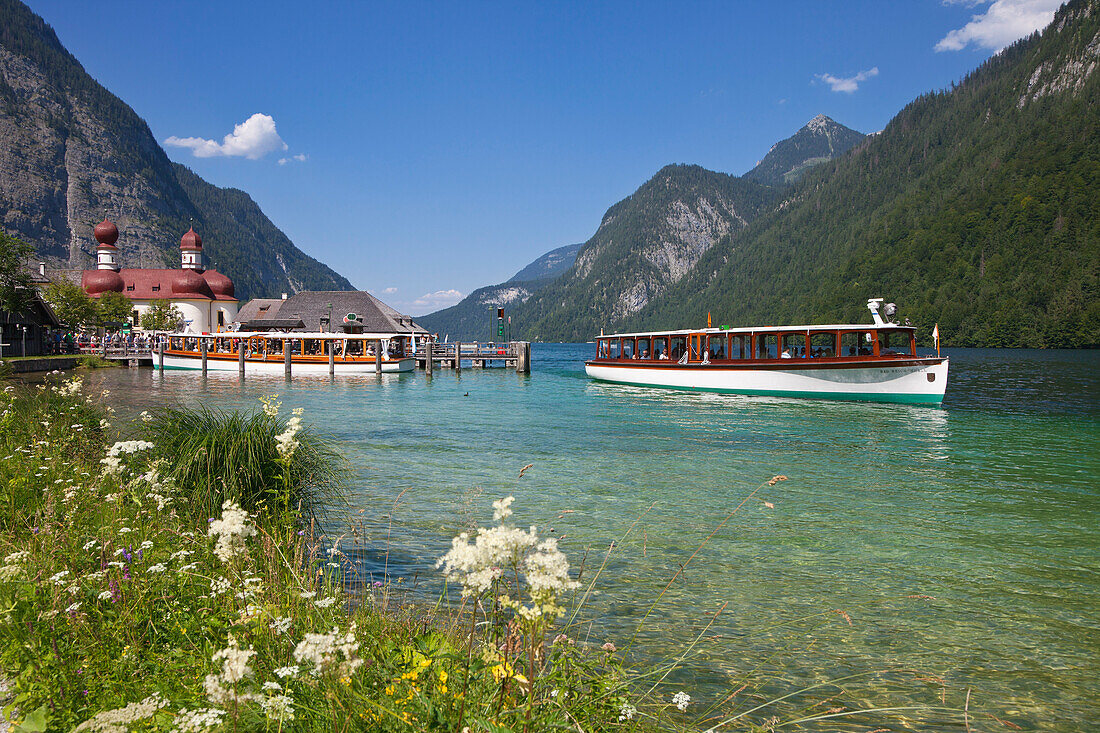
pixel 820 140
pixel 72 152
pixel 550 265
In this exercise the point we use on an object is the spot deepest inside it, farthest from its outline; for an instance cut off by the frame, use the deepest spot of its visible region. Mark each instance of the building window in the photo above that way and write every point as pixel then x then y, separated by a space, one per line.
pixel 156 288
pixel 221 319
pixel 129 287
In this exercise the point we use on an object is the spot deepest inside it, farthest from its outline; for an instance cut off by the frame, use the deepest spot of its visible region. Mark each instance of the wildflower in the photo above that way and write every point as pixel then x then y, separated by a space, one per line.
pixel 218 586
pixel 145 416
pixel 105 595
pixel 501 508
pixel 195 721
pixel 181 555
pixel 59 578
pixel 16 557
pixel 324 602
pixel 290 671
pixel 323 651
pixel 158 568
pixel 145 545
pixel 608 647
pixel 231 530
pixel 272 686
pixel 307 594
pixel 271 407
pixel 278 707
pixel 627 712
pixel 285 442
pixel 681 700
pixel 234 669
pixel 73 608
pixel 116 452
pixel 114 721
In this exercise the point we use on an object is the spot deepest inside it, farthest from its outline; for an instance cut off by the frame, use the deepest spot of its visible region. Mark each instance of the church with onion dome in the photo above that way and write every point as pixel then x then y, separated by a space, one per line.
pixel 204 297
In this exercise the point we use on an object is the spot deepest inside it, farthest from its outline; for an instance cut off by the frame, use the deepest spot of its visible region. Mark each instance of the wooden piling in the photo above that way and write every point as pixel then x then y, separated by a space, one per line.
pixel 286 358
pixel 331 358
pixel 523 357
pixel 458 356
pixel 429 353
pixel 378 356
pixel 202 350
pixel 160 354
pixel 241 346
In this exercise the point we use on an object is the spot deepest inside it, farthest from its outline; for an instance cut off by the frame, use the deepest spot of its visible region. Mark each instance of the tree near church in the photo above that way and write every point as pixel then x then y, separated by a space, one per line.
pixel 113 308
pixel 73 306
pixel 16 291
pixel 162 316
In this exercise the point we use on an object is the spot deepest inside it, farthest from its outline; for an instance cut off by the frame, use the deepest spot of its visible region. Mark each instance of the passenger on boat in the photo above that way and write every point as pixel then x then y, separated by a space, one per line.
pixel 786 354
pixel 662 355
pixel 645 353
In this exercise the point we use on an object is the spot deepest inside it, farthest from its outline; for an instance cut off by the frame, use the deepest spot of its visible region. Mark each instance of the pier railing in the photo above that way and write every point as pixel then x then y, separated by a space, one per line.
pixel 514 354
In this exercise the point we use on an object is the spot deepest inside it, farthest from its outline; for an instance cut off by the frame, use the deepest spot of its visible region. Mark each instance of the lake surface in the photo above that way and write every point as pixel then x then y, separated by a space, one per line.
pixel 958 547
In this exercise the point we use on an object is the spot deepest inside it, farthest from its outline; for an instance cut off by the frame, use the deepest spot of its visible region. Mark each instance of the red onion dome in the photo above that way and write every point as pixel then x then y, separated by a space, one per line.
pixel 190 284
pixel 191 240
pixel 219 283
pixel 103 281
pixel 106 232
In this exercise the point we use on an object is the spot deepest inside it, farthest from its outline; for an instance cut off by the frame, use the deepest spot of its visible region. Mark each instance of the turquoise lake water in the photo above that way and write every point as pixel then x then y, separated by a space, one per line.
pixel 958 547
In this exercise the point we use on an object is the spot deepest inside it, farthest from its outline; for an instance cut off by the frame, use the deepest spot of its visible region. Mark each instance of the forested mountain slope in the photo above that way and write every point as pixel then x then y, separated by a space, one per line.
pixel 72 152
pixel 978 207
pixel 819 140
pixel 644 243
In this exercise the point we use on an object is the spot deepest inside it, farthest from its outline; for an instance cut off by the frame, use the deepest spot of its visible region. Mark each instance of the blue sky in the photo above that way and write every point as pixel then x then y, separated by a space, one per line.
pixel 428 149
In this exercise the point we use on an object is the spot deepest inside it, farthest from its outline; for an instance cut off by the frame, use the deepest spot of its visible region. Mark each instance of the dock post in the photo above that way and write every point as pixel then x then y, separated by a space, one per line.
pixel 429 353
pixel 160 355
pixel 240 356
pixel 286 358
pixel 202 350
pixel 378 356
pixel 331 358
pixel 523 357
pixel 458 356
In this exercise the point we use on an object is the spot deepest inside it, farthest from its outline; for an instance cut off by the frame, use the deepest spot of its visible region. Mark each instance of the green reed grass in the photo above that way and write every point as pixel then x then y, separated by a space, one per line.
pixel 214 455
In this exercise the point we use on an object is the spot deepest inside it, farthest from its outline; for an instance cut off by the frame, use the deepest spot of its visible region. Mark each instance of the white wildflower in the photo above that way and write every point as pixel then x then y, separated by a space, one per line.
pixel 502 508
pixel 307 594
pixel 278 707
pixel 271 406
pixel 272 686
pixel 145 545
pixel 158 568
pixel 218 586
pixel 681 700
pixel 291 671
pixel 145 416
pixel 222 687
pixel 324 602
pixel 16 557
pixel 116 452
pixel 59 578
pixel 231 531
pixel 285 442
pixel 181 555
pixel 73 608
pixel 105 595
pixel 627 712
pixel 196 721
pixel 281 625
pixel 120 720
pixel 330 652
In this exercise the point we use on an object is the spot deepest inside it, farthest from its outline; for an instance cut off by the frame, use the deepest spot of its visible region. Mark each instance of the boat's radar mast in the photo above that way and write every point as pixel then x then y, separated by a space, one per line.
pixel 889 310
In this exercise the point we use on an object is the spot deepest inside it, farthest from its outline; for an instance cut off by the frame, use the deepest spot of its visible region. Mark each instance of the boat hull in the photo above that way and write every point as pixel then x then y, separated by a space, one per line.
pixel 913 381
pixel 213 364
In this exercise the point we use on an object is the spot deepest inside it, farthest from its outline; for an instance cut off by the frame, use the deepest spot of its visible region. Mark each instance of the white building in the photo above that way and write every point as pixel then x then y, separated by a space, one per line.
pixel 205 297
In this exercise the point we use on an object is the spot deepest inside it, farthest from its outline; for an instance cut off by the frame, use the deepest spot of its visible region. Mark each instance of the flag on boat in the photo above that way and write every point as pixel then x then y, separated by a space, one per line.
pixel 936 337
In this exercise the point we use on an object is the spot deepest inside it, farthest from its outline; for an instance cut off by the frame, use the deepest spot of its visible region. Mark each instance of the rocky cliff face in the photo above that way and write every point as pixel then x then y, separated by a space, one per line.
pixel 71 152
pixel 644 244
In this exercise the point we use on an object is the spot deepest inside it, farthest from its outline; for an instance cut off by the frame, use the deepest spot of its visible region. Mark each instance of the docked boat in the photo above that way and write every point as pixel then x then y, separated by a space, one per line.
pixel 876 362
pixel 266 352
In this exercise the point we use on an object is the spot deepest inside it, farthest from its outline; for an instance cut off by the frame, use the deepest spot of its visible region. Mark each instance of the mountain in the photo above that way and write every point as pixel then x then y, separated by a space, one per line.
pixel 977 208
pixel 71 152
pixel 644 244
pixel 550 265
pixel 820 140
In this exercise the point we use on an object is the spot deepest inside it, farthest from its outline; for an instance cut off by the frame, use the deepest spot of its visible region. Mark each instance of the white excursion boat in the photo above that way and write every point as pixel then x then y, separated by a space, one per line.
pixel 848 362
pixel 265 352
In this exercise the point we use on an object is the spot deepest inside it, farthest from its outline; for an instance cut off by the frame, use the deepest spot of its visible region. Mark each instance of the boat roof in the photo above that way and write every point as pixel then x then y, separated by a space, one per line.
pixel 293 335
pixel 762 329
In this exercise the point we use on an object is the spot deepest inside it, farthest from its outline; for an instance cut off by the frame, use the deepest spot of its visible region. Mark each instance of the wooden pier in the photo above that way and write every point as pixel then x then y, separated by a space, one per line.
pixel 513 354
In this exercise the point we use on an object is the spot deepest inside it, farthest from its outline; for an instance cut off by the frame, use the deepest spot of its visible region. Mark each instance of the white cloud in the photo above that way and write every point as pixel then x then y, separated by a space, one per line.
pixel 389 291
pixel 300 158
pixel 1002 23
pixel 847 84
pixel 253 139
pixel 438 299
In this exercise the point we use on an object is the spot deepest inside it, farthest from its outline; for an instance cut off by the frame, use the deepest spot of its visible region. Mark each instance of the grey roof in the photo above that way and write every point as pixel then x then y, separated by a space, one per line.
pixel 273 324
pixel 259 308
pixel 311 306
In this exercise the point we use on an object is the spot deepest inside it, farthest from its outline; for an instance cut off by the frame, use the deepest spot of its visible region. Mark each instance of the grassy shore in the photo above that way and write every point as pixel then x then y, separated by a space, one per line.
pixel 165 575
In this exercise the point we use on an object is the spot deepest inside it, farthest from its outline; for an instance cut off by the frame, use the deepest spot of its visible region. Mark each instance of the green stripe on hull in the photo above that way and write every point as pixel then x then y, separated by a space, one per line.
pixel 907 399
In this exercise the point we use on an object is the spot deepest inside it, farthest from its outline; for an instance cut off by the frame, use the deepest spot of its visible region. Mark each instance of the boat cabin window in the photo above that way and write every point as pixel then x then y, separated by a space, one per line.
pixel 822 345
pixel 660 348
pixel 794 346
pixel 740 346
pixel 716 347
pixel 628 348
pixel 896 342
pixel 601 349
pixel 766 346
pixel 614 353
pixel 856 343
pixel 355 348
pixel 644 351
pixel 677 347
